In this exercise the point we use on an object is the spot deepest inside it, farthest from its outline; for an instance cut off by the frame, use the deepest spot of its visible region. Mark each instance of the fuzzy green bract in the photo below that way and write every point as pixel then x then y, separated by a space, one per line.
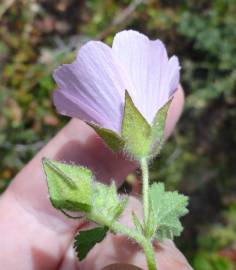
pixel 86 240
pixel 107 204
pixel 112 139
pixel 135 130
pixel 152 223
pixel 138 225
pixel 168 207
pixel 70 186
pixel 141 139
pixel 158 128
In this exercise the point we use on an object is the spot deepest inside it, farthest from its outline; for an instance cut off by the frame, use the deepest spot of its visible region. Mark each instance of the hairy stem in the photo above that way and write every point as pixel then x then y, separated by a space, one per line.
pixel 144 168
pixel 150 255
pixel 140 239
pixel 118 227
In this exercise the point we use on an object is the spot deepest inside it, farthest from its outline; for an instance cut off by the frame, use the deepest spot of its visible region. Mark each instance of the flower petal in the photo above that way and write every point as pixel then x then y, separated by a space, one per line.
pixel 68 105
pixel 146 63
pixel 174 74
pixel 92 88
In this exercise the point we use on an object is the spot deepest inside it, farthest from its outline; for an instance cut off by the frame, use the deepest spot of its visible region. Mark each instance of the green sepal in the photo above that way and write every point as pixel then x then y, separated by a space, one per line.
pixel 112 139
pixel 168 207
pixel 138 137
pixel 137 223
pixel 135 130
pixel 141 139
pixel 158 127
pixel 70 187
pixel 86 240
pixel 107 204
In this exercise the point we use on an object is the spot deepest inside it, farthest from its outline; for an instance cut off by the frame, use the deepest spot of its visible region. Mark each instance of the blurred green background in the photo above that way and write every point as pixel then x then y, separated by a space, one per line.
pixel 199 159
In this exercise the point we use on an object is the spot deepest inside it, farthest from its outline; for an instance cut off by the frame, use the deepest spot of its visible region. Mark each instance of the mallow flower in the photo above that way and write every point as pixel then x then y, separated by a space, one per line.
pixel 122 91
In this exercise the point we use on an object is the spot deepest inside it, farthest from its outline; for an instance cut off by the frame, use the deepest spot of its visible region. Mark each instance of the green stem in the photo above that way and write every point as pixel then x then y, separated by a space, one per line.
pixel 140 239
pixel 118 227
pixel 150 255
pixel 144 168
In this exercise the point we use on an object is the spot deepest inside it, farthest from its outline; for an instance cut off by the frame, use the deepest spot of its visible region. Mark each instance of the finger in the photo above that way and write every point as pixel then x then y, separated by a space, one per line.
pixel 119 249
pixel 29 226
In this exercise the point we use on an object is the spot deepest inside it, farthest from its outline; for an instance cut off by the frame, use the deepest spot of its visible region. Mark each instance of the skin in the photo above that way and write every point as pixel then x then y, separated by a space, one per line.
pixel 36 236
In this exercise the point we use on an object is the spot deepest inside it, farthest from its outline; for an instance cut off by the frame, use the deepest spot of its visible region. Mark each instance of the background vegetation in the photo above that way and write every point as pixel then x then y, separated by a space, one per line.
pixel 199 160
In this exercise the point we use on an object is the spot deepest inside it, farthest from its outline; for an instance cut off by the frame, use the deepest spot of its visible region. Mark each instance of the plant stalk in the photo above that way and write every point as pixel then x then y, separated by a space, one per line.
pixel 144 168
pixel 140 239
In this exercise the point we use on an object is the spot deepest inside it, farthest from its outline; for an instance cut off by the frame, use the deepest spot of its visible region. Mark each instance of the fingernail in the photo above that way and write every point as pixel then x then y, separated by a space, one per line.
pixel 121 266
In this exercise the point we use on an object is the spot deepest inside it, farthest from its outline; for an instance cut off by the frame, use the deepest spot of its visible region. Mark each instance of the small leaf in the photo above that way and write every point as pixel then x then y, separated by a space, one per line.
pixel 70 186
pixel 168 208
pixel 158 127
pixel 113 140
pixel 135 130
pixel 86 240
pixel 107 203
pixel 137 223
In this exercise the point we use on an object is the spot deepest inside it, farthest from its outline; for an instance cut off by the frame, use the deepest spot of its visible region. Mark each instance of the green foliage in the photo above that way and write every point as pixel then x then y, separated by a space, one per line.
pixel 217 244
pixel 209 261
pixel 107 204
pixel 86 240
pixel 168 207
pixel 70 187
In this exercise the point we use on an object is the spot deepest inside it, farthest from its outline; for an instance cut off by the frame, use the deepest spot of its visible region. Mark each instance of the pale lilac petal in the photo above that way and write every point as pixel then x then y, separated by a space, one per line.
pixel 174 73
pixel 169 81
pixel 146 64
pixel 68 105
pixel 92 88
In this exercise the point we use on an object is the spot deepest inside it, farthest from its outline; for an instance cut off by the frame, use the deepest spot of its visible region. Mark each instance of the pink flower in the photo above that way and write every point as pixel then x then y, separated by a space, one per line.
pixel 92 88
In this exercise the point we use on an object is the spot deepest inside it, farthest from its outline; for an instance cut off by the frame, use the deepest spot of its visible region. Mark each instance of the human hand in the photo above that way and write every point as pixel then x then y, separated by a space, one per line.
pixel 35 236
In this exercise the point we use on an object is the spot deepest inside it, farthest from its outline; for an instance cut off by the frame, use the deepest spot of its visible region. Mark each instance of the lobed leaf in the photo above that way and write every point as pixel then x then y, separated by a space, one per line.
pixel 168 208
pixel 86 240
